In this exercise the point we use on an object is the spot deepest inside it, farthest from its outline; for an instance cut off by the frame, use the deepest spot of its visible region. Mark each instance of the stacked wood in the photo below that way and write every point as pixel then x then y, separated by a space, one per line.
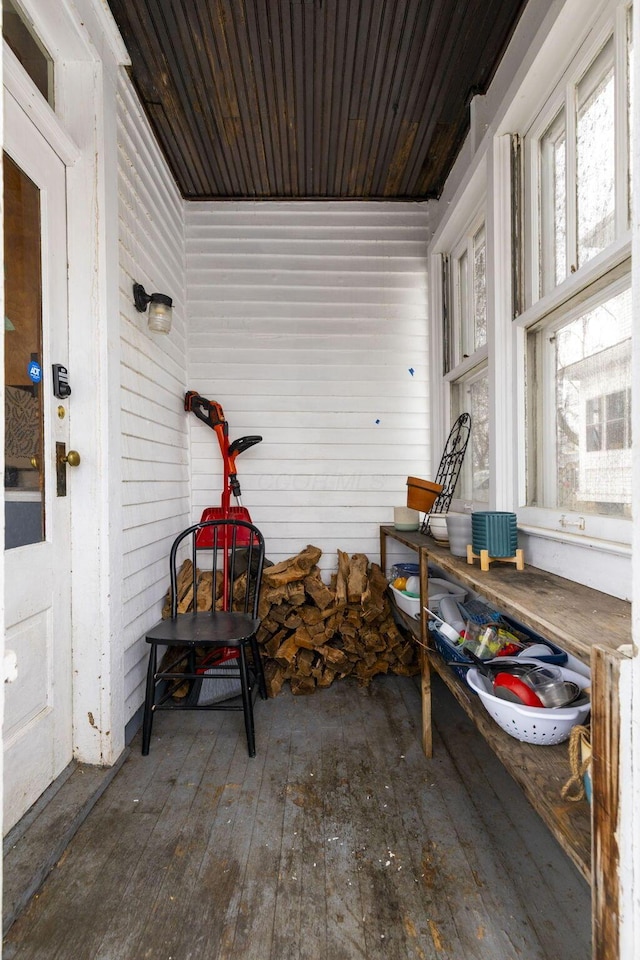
pixel 184 589
pixel 312 634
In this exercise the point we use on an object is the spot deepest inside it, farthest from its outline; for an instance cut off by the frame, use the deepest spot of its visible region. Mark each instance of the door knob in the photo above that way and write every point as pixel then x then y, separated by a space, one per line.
pixel 72 458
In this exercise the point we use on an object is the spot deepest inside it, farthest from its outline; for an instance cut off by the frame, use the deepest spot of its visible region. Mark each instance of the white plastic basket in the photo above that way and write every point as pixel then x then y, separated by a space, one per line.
pixel 438 589
pixel 410 605
pixel 544 726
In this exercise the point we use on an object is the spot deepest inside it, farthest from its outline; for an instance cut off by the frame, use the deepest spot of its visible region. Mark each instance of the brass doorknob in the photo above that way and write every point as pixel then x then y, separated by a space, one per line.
pixel 72 458
pixel 35 463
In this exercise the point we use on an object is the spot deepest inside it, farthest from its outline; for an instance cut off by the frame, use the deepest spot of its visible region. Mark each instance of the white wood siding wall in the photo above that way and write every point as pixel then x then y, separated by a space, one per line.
pixel 307 322
pixel 155 461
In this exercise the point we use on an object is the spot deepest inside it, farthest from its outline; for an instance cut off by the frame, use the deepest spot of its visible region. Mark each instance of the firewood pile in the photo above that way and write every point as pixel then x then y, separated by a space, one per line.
pixel 312 633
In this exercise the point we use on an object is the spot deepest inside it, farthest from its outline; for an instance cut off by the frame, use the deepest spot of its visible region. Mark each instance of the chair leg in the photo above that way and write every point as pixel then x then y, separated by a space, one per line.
pixel 247 702
pixel 149 699
pixel 259 668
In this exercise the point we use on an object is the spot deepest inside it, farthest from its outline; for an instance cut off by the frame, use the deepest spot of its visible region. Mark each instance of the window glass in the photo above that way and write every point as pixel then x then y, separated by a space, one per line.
pixel 479 289
pixel 581 164
pixel 469 294
pixel 461 279
pixel 471 395
pixel 595 137
pixel 24 448
pixel 553 213
pixel 582 391
pixel 31 53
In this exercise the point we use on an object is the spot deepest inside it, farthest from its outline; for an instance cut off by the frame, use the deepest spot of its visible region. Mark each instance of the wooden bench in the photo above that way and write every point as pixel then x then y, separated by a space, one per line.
pixel 595 628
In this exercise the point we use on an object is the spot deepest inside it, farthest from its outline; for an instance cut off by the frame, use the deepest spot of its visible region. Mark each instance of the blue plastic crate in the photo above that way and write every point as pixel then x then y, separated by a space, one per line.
pixel 559 656
pixel 448 651
pixel 452 654
pixel 479 612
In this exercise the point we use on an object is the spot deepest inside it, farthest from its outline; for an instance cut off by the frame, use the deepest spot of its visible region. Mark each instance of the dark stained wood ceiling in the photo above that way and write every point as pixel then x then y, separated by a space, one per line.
pixel 331 99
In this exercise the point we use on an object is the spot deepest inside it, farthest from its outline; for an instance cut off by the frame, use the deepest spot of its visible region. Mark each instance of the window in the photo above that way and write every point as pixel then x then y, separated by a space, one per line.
pixel 466 336
pixel 468 295
pixel 470 395
pixel 578 310
pixel 581 168
pixel 19 36
pixel 579 374
pixel 608 421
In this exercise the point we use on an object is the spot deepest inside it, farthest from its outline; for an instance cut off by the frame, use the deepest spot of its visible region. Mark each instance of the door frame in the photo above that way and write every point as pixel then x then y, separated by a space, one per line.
pixel 89 54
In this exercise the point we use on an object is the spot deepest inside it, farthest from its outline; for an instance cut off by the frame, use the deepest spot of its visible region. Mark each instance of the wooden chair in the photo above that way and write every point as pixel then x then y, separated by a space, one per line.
pixel 227 558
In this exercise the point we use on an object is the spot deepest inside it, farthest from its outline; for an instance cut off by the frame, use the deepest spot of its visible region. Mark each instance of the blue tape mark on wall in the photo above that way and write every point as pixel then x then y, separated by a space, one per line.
pixel 411 371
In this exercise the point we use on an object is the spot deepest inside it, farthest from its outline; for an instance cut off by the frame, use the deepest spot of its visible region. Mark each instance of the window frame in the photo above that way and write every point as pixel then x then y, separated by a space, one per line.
pixel 593 526
pixel 48 63
pixel 471 373
pixel 462 326
pixel 458 367
pixel 595 280
pixel 614 24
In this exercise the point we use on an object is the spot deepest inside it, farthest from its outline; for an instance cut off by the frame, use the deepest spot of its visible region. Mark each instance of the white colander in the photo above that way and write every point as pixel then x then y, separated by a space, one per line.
pixel 544 726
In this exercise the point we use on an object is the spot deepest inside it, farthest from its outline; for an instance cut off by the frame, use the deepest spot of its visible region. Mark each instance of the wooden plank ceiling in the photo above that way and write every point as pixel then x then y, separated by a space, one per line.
pixel 330 99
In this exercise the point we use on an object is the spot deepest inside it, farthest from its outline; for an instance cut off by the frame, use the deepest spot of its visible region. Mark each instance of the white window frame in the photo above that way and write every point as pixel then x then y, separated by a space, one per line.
pixel 588 526
pixel 563 97
pixel 462 323
pixel 597 279
pixel 465 367
pixel 473 370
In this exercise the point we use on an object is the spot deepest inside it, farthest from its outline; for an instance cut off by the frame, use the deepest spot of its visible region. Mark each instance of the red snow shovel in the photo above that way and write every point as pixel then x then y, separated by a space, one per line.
pixel 212 414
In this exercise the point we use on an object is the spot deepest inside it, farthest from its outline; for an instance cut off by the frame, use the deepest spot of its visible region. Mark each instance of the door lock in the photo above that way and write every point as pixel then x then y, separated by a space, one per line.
pixel 72 458
pixel 64 459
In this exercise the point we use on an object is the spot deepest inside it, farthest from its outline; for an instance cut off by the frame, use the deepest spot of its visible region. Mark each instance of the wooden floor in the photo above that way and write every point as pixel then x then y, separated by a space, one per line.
pixel 338 841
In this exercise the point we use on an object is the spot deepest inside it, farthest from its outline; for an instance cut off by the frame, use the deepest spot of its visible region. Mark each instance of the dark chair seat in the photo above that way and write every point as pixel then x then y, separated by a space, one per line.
pixel 195 628
pixel 233 559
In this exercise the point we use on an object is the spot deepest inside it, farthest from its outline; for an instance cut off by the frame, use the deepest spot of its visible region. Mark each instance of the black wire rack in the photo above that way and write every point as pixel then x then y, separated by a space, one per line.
pixel 450 466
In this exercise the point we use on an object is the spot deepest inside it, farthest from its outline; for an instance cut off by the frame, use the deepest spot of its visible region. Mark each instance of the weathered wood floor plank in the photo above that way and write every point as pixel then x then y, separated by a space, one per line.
pixel 338 841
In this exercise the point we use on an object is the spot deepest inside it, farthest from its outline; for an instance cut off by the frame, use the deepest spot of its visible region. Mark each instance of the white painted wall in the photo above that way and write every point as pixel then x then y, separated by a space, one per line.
pixel 305 320
pixel 155 455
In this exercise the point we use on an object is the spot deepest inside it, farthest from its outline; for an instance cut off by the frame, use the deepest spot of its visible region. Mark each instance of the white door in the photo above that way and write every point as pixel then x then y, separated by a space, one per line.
pixel 37 730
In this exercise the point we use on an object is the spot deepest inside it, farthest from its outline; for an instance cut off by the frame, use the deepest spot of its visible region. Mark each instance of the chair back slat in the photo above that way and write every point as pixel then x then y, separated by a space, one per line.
pixel 234 548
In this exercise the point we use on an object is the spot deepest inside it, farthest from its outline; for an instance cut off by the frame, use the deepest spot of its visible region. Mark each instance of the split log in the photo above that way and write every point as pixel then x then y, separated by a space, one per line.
pixel 342 578
pixel 274 676
pixel 374 597
pixel 317 591
pixel 358 579
pixel 302 685
pixel 295 568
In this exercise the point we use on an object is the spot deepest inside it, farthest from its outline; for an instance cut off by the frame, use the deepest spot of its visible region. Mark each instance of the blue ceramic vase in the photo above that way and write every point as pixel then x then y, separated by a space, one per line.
pixel 495 531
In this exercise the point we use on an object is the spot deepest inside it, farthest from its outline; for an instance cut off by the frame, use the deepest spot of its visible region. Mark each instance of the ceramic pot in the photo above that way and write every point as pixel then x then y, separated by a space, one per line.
pixel 495 531
pixel 438 527
pixel 459 530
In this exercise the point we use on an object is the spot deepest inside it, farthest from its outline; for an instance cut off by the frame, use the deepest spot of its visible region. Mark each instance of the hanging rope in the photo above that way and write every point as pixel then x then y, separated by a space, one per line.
pixel 574 787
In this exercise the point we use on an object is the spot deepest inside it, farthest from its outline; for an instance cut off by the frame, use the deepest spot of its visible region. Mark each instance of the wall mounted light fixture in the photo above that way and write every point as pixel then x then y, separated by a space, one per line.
pixel 159 308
